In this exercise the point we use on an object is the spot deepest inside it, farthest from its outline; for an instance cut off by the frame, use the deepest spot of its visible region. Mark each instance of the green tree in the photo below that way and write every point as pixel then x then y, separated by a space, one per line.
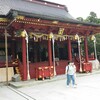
pixel 92 18
pixel 98 21
pixel 80 19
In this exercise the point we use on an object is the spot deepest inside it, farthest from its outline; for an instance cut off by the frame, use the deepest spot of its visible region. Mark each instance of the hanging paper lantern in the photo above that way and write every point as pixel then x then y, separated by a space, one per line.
pixel 51 35
pixel 23 33
pixel 93 38
pixel 76 37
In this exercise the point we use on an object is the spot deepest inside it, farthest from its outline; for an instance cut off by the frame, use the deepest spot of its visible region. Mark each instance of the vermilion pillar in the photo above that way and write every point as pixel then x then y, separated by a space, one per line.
pixel 69 49
pixel 86 48
pixel 24 59
pixel 49 52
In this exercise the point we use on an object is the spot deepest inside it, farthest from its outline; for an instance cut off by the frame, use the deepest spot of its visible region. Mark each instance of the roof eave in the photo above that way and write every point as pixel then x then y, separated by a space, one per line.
pixel 14 13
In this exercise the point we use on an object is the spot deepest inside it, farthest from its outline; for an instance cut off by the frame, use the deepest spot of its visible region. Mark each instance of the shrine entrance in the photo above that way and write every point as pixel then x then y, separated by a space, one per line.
pixel 39 42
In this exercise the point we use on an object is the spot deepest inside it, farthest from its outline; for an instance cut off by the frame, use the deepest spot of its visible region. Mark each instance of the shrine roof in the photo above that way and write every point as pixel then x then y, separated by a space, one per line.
pixel 38 9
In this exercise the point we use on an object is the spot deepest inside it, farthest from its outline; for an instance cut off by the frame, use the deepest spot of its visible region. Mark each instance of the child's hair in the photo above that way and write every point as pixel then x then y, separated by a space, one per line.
pixel 69 62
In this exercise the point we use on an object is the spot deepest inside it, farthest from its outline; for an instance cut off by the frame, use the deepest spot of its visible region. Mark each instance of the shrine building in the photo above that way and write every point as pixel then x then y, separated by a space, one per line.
pixel 38 38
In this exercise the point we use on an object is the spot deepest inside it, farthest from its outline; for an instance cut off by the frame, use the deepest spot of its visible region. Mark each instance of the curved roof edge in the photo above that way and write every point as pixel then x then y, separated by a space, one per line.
pixel 49 10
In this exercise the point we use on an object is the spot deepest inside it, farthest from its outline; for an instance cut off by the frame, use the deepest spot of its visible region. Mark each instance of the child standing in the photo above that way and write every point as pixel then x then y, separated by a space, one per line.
pixel 70 71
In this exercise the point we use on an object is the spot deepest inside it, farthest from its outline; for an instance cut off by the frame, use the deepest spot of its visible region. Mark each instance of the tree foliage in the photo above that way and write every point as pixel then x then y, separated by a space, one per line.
pixel 92 18
pixel 80 19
